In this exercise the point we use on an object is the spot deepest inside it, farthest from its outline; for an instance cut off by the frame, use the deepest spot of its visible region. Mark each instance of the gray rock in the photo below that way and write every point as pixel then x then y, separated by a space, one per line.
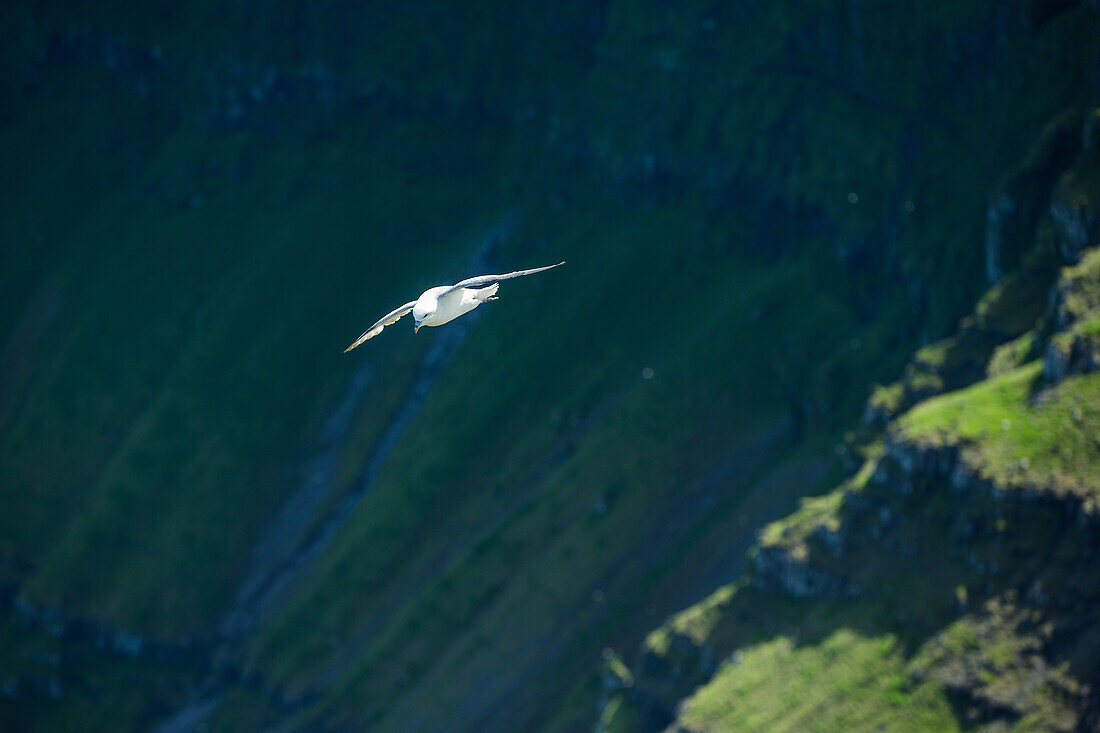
pixel 998 214
pixel 777 570
pixel 1076 229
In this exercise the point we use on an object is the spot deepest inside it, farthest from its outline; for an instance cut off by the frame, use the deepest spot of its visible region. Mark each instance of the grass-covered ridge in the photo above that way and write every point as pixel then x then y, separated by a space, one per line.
pixel 848 681
pixel 1019 432
pixel 945 584
pixel 738 193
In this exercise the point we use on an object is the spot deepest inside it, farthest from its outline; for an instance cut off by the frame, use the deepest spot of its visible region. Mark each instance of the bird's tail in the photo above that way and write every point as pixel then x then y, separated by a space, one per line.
pixel 487 294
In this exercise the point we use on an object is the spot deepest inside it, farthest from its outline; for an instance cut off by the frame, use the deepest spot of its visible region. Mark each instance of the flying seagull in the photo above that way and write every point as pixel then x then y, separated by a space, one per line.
pixel 444 303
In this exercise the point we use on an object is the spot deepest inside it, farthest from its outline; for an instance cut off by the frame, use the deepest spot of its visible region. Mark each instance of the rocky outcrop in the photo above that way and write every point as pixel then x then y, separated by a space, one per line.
pixel 1015 208
pixel 1000 552
pixel 1076 224
pixel 911 466
pixel 52 657
pixel 1007 312
pixel 1075 312
pixel 1047 211
pixel 776 568
pixel 1074 204
pixel 110 641
pixel 1073 353
pixel 995 687
pixel 1077 293
pixel 1021 547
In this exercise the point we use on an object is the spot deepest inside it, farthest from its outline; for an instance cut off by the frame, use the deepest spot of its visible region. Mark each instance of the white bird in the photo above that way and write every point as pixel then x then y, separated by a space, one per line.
pixel 444 303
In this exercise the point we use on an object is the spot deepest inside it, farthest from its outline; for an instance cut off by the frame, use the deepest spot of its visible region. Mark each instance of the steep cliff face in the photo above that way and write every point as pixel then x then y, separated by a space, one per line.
pixel 952 580
pixel 212 517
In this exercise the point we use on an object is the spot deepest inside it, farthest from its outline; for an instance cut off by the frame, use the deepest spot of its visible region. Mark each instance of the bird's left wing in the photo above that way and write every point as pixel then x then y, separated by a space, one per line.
pixel 387 320
pixel 482 280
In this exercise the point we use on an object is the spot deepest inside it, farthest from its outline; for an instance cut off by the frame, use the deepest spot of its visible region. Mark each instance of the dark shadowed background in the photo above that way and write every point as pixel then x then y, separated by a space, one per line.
pixel 583 507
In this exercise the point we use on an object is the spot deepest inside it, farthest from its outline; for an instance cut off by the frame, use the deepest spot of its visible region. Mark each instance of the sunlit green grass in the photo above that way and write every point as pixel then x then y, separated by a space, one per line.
pixel 1018 430
pixel 847 681
pixel 206 280
pixel 898 654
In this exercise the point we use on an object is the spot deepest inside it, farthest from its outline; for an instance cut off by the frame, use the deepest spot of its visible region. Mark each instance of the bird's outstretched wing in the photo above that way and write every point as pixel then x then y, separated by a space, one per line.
pixel 387 320
pixel 482 280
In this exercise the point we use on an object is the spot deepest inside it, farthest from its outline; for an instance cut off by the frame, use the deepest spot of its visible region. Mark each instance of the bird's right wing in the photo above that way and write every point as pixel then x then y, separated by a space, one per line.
pixel 482 281
pixel 387 320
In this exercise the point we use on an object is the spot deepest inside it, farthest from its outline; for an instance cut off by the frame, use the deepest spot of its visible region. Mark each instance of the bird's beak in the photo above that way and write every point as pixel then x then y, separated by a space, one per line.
pixel 416 328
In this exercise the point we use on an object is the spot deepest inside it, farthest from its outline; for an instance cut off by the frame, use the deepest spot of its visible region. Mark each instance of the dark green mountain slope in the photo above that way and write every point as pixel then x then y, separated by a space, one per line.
pixel 211 516
pixel 950 582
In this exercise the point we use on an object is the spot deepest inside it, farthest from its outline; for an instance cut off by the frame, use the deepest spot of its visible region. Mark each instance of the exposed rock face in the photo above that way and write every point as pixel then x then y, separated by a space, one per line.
pixel 1015 208
pixel 1048 207
pixel 1076 223
pixel 997 217
pixel 907 462
pixel 1024 548
pixel 1074 305
pixel 995 686
pixel 113 642
pixel 1019 542
pixel 60 653
pixel 1076 293
pixel 1074 354
pixel 1006 314
pixel 777 569
pixel 1033 550
pixel 1074 204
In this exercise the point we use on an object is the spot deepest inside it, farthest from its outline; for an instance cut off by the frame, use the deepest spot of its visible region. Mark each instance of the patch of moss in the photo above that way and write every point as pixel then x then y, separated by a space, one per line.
pixel 1011 355
pixel 887 400
pixel 814 515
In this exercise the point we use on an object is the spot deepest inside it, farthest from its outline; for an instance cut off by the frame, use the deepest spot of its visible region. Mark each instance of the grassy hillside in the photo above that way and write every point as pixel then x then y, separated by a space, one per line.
pixel 215 515
pixel 948 583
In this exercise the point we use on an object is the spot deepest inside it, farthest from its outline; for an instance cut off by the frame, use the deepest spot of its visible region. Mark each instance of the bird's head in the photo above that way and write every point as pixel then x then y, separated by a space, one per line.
pixel 420 312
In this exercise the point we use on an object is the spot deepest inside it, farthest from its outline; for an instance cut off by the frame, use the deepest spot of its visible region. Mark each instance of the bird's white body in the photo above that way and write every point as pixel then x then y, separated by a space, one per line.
pixel 437 306
pixel 444 303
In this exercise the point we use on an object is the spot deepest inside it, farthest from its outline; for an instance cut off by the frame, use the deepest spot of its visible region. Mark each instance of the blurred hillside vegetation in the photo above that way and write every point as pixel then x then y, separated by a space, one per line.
pixel 823 250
